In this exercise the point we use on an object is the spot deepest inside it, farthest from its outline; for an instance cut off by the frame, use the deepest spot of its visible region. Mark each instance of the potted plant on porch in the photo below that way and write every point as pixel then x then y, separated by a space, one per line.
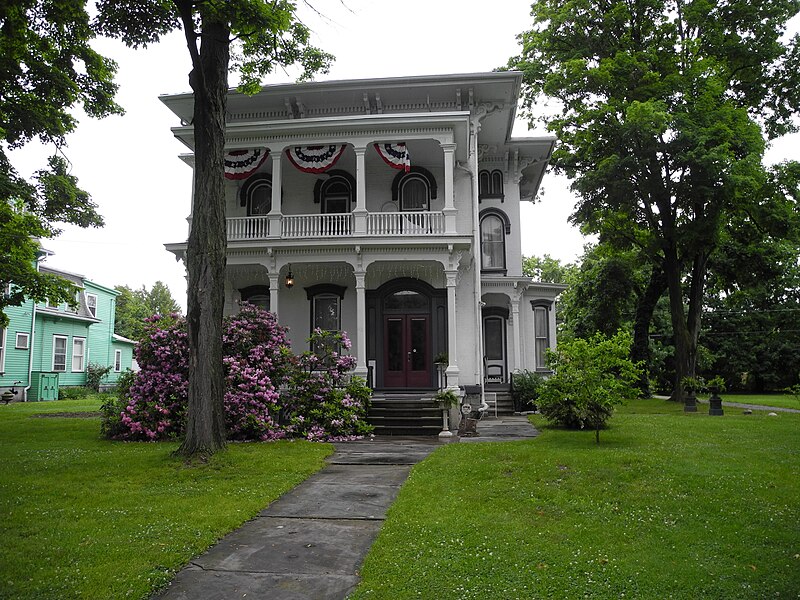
pixel 446 398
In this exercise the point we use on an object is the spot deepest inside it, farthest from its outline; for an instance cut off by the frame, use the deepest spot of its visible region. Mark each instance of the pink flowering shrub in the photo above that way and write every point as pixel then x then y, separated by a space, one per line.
pixel 319 403
pixel 325 404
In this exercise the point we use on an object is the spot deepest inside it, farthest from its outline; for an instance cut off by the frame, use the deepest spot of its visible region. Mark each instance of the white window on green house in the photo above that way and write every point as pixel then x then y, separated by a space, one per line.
pixel 59 353
pixel 541 333
pixel 23 340
pixel 78 354
pixel 52 304
pixel 2 350
pixel 91 304
pixel 117 361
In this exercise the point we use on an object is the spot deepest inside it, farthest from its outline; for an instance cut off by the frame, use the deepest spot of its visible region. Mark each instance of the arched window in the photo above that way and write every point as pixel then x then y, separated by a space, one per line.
pixel 258 295
pixel 325 306
pixel 490 184
pixel 336 193
pixel 256 195
pixel 413 191
pixel 494 227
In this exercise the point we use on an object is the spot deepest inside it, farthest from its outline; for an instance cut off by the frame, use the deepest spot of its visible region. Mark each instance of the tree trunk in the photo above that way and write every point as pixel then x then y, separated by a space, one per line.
pixel 680 332
pixel 645 307
pixel 206 251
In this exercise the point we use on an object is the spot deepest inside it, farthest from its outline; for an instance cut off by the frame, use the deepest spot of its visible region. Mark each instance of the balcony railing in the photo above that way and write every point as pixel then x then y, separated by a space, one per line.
pixel 338 225
pixel 312 226
pixel 405 223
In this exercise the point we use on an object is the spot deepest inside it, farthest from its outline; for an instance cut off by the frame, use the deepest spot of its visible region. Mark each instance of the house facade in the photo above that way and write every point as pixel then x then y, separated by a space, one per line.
pixel 390 209
pixel 48 346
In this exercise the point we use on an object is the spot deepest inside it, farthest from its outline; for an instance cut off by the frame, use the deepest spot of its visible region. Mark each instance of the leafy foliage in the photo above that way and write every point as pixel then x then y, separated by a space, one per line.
pixel 589 378
pixel 95 374
pixel 134 307
pixel 525 388
pixel 661 111
pixel 269 394
pixel 47 67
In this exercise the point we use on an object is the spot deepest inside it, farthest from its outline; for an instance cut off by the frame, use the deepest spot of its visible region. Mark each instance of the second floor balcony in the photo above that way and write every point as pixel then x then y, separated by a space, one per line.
pixel 336 225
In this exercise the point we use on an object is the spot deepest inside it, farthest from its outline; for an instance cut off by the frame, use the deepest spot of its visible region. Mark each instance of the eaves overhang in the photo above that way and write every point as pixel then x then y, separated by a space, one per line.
pixel 446 127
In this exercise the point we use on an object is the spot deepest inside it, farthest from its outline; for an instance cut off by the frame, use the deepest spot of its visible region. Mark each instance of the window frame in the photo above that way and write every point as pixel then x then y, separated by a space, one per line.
pixel 414 178
pixel 325 195
pixel 491 185
pixel 56 338
pixel 504 229
pixel 252 184
pixel 3 331
pixel 89 304
pixel 27 337
pixel 78 340
pixel 117 361
pixel 540 357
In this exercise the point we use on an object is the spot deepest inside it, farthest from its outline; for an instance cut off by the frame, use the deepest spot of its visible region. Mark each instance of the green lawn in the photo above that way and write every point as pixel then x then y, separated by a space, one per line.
pixel 87 518
pixel 667 506
pixel 781 400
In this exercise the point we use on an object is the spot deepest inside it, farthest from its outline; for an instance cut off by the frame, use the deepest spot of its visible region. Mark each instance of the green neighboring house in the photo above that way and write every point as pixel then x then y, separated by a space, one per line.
pixel 48 346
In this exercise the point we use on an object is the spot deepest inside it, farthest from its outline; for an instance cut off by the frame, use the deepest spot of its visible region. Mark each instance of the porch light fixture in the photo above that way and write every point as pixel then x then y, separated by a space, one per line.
pixel 289 283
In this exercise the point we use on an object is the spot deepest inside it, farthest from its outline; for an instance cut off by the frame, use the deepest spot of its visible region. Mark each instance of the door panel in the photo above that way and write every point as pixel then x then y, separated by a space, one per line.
pixel 494 347
pixel 406 351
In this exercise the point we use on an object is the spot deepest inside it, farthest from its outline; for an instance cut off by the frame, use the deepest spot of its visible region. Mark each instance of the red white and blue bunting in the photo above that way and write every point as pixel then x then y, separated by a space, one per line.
pixel 240 164
pixel 395 155
pixel 315 159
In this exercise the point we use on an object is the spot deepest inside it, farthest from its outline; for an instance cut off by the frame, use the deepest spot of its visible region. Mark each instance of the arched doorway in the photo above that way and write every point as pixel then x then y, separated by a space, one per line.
pixel 407 326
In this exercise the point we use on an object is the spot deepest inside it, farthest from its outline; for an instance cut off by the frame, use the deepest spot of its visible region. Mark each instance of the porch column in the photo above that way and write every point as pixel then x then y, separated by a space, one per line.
pixel 452 371
pixel 360 211
pixel 449 202
pixel 275 210
pixel 361 326
pixel 515 326
pixel 274 286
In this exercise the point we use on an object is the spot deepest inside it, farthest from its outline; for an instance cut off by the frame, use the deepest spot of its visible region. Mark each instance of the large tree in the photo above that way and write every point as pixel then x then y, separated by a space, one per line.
pixel 134 306
pixel 664 108
pixel 47 67
pixel 253 37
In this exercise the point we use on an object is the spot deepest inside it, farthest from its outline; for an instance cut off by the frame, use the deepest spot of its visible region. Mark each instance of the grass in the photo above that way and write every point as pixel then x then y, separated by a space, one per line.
pixel 780 400
pixel 86 518
pixel 667 506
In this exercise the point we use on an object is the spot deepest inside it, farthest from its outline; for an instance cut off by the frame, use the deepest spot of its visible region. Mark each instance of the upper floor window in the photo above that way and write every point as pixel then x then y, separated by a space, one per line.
pixel 256 195
pixel 413 191
pixel 23 340
pixel 490 184
pixel 91 304
pixel 336 193
pixel 494 227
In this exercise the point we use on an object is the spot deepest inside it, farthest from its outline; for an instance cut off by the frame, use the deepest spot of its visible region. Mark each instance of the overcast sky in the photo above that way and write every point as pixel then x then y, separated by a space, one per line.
pixel 130 167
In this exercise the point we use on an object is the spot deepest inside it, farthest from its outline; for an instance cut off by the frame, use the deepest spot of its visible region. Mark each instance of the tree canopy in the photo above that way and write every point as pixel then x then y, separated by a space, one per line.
pixel 663 109
pixel 134 306
pixel 47 67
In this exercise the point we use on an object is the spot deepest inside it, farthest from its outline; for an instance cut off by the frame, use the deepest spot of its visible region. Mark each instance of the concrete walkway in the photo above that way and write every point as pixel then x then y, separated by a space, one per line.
pixel 310 543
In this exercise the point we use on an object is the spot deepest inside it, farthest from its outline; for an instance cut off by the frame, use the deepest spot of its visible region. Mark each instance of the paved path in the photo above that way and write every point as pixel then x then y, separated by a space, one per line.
pixel 725 403
pixel 310 543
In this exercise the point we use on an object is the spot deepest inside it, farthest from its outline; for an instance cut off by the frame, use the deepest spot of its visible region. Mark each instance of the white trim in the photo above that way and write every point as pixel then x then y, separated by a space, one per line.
pixel 27 337
pixel 66 339
pixel 117 361
pixel 79 341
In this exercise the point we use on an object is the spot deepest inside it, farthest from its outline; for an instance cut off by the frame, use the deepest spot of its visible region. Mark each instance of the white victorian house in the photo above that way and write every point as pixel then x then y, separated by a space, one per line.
pixel 393 207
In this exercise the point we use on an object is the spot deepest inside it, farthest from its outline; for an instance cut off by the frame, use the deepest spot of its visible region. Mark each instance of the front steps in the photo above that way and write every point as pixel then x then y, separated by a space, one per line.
pixel 405 414
pixel 418 413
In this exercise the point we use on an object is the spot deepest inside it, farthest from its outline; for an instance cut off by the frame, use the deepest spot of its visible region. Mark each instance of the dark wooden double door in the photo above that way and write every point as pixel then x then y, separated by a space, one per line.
pixel 407 361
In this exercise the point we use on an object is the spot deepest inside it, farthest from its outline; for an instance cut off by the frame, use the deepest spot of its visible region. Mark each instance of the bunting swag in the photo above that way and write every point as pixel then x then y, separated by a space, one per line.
pixel 240 164
pixel 314 159
pixel 395 155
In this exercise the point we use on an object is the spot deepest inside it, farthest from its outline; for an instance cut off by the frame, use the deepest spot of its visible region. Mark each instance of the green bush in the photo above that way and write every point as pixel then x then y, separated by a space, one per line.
pixel 95 374
pixel 525 386
pixel 73 393
pixel 589 378
pixel 112 407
